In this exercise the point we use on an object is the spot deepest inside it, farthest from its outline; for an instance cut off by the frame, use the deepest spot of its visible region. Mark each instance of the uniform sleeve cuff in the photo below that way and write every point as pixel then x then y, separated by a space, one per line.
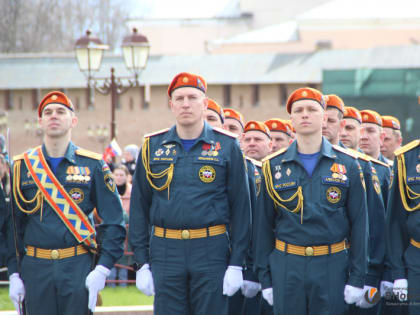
pixel 398 274
pixel 355 281
pixel 372 281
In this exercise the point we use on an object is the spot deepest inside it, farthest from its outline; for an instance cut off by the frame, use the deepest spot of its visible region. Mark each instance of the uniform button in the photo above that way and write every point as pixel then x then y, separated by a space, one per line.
pixel 55 254
pixel 185 234
pixel 309 251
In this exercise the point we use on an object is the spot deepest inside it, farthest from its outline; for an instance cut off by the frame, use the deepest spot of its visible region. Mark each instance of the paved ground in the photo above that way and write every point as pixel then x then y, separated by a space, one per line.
pixel 115 310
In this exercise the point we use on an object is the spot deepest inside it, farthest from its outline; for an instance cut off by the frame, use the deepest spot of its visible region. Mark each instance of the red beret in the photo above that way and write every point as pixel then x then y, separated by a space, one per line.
pixel 351 112
pixel 277 124
pixel 391 122
pixel 216 108
pixel 185 79
pixel 55 97
pixel 370 116
pixel 234 114
pixel 305 93
pixel 335 101
pixel 257 126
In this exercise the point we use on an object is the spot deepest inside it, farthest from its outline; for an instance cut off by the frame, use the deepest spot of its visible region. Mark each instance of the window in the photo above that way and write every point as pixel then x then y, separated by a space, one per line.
pixel 227 95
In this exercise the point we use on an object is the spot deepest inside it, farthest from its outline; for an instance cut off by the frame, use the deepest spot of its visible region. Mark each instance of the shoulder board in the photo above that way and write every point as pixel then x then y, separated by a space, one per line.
pixel 253 161
pixel 360 155
pixel 270 156
pixel 156 133
pixel 90 154
pixel 18 157
pixel 345 151
pixel 379 162
pixel 225 132
pixel 407 147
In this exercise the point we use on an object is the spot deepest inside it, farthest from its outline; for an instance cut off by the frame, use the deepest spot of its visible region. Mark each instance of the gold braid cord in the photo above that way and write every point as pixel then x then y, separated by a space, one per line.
pixel 278 201
pixel 169 172
pixel 18 193
pixel 405 190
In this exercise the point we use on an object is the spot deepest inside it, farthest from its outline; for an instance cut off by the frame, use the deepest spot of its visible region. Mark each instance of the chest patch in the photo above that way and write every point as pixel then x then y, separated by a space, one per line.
pixel 207 174
pixel 77 195
pixel 333 194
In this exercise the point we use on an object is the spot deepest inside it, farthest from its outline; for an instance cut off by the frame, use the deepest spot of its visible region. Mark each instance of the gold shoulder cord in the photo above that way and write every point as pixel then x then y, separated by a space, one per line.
pixel 145 156
pixel 275 196
pixel 18 193
pixel 402 182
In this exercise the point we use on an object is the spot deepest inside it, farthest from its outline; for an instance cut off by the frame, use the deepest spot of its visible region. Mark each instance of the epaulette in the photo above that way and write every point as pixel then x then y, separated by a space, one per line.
pixel 379 162
pixel 253 161
pixel 225 132
pixel 407 147
pixel 270 156
pixel 90 154
pixel 345 151
pixel 156 133
pixel 360 155
pixel 18 157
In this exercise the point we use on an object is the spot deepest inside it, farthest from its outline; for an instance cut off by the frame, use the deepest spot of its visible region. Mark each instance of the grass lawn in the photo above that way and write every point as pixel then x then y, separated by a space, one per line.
pixel 110 297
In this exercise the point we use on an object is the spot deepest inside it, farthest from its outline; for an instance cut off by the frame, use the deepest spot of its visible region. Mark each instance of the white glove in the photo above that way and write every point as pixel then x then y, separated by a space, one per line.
pixel 233 280
pixel 401 289
pixel 268 295
pixel 250 288
pixel 16 290
pixel 386 289
pixel 144 280
pixel 352 294
pixel 95 282
pixel 369 298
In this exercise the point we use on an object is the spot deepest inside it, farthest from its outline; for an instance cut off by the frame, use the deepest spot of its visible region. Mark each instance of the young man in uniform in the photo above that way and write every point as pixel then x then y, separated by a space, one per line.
pixel 332 129
pixel 56 186
pixel 312 203
pixel 403 226
pixel 393 139
pixel 281 136
pixel 190 209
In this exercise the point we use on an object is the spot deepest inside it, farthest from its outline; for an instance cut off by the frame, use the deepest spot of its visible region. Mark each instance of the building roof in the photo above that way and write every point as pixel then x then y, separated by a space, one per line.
pixel 362 9
pixel 41 71
pixel 278 33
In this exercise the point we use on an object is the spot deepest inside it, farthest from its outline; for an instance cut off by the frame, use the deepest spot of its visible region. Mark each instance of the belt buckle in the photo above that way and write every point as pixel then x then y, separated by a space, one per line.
pixel 55 254
pixel 309 251
pixel 185 234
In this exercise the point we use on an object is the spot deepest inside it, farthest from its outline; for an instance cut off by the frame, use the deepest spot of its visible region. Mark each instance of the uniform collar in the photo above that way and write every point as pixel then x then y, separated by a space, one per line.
pixel 70 154
pixel 326 150
pixel 207 135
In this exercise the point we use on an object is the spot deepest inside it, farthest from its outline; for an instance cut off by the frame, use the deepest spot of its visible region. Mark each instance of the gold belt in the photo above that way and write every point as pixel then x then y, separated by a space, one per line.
pixel 55 253
pixel 190 233
pixel 312 250
pixel 414 243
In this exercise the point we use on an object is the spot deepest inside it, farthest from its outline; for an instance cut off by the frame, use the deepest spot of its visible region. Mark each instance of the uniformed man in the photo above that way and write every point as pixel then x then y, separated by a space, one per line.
pixel 234 121
pixel 393 138
pixel 280 131
pixel 334 123
pixel 371 137
pixel 312 203
pixel 332 129
pixel 190 187
pixel 403 225
pixel 56 186
pixel 214 114
pixel 256 141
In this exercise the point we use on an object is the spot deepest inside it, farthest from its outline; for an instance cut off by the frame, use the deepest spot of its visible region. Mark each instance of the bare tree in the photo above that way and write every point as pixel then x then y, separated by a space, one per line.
pixel 54 25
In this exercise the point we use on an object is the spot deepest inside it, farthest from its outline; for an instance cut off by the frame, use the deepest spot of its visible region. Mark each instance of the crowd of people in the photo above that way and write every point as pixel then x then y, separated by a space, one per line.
pixel 312 215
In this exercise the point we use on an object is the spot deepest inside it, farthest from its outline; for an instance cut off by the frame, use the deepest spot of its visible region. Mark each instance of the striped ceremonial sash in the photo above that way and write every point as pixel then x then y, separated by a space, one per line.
pixel 69 212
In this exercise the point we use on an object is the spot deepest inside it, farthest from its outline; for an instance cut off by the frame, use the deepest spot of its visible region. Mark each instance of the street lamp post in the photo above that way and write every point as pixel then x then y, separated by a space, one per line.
pixel 89 52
